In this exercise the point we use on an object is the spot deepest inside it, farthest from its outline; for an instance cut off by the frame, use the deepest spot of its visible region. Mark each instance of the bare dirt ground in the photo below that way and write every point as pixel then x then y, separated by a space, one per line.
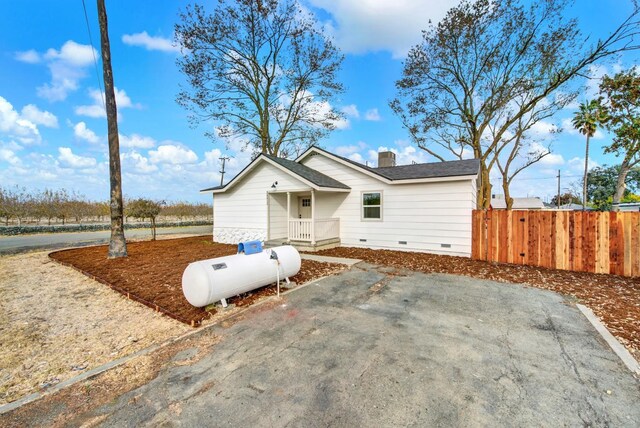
pixel 56 323
pixel 614 299
pixel 152 272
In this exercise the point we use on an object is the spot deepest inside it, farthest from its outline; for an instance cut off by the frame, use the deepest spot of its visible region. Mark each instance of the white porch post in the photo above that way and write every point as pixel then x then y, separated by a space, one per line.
pixel 288 216
pixel 313 217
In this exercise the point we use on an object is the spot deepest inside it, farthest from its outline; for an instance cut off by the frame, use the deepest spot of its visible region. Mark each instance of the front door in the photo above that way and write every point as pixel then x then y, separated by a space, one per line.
pixel 304 207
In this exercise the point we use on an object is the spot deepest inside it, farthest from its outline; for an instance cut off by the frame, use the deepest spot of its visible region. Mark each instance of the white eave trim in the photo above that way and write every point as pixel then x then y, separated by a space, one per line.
pixel 255 163
pixel 435 179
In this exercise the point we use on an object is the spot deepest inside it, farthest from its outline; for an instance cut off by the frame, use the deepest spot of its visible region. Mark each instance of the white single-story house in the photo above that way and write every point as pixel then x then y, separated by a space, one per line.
pixel 498 202
pixel 322 199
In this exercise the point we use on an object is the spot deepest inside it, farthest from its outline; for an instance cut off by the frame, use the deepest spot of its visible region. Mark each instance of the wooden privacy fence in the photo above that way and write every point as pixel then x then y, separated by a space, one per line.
pixel 600 242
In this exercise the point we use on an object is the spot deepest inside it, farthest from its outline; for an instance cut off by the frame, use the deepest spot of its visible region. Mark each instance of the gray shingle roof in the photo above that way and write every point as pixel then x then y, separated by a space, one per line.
pixel 317 178
pixel 431 170
pixel 420 170
pixel 395 173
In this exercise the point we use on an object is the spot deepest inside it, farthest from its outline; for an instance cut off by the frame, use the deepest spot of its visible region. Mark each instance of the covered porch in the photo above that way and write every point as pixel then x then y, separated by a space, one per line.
pixel 304 218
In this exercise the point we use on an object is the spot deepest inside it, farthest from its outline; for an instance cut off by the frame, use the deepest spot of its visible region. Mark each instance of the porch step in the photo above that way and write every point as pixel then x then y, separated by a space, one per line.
pixel 275 243
pixel 304 245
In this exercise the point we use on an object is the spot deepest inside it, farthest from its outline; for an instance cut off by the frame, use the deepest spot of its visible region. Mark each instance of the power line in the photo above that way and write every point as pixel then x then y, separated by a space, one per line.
pixel 93 52
pixel 539 178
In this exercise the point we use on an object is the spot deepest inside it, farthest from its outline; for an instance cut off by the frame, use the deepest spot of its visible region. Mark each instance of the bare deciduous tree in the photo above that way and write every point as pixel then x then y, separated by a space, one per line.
pixel 263 70
pixel 488 66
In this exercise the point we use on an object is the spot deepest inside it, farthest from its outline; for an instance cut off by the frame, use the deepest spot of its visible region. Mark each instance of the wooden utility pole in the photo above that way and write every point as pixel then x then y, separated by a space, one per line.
pixel 117 244
pixel 558 201
pixel 223 159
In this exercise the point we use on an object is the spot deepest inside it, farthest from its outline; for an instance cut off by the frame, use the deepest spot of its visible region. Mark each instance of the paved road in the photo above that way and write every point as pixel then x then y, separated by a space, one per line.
pixel 370 348
pixel 22 243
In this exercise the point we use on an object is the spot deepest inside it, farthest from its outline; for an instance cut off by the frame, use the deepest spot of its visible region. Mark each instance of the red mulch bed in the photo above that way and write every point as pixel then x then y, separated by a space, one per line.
pixel 615 299
pixel 152 273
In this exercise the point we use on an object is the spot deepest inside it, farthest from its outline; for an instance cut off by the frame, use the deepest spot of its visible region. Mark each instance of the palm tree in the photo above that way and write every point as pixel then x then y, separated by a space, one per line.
pixel 586 121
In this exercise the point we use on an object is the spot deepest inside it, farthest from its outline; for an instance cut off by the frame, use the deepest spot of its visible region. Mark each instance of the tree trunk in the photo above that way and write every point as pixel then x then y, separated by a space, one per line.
pixel 153 227
pixel 584 179
pixel 508 200
pixel 483 198
pixel 117 244
pixel 620 184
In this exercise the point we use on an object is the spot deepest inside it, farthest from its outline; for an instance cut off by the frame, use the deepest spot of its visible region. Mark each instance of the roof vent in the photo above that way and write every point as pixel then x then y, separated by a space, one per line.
pixel 386 159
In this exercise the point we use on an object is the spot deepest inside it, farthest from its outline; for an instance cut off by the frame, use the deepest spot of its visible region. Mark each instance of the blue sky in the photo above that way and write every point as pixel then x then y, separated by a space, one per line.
pixel 53 130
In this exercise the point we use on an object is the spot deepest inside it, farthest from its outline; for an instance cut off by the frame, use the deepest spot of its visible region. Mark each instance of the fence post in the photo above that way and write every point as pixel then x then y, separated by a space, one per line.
pixel 485 239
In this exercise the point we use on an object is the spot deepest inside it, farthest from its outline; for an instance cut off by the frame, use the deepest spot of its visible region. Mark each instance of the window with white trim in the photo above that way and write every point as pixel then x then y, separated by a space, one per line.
pixel 372 206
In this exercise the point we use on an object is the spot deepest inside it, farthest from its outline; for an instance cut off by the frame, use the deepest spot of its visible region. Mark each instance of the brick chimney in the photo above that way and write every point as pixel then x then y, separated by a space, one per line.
pixel 386 159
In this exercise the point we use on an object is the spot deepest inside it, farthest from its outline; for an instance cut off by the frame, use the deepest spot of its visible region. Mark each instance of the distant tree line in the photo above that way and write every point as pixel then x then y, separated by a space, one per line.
pixel 602 185
pixel 22 206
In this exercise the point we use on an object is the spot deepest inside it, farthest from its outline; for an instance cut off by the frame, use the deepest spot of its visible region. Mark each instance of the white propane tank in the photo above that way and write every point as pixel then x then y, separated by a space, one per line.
pixel 208 281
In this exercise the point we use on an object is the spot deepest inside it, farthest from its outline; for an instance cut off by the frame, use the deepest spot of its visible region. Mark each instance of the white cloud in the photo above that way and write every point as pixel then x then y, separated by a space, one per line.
pixel 33 114
pixel 67 67
pixel 72 53
pixel 137 141
pixel 14 125
pixel 351 149
pixel 212 157
pixel 552 159
pixel 151 43
pixel 543 129
pixel 81 131
pixel 321 109
pixel 361 26
pixel 356 157
pixel 30 56
pixel 351 110
pixel 9 156
pixel 405 154
pixel 70 160
pixel 172 154
pixel 576 164
pixel 97 109
pixel 136 163
pixel 372 115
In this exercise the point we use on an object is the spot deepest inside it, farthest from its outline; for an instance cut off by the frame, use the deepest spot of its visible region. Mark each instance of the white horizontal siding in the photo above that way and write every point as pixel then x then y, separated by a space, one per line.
pixel 425 215
pixel 327 203
pixel 278 216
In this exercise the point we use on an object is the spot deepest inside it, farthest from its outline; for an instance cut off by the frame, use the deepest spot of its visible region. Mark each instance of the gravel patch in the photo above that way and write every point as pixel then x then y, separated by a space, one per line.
pixel 56 323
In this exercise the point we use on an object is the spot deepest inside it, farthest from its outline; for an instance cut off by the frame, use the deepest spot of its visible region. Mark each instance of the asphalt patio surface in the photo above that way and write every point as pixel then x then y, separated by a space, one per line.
pixel 378 347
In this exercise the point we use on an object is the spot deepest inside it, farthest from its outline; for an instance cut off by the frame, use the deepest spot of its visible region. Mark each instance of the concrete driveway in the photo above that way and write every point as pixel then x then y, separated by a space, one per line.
pixel 371 348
